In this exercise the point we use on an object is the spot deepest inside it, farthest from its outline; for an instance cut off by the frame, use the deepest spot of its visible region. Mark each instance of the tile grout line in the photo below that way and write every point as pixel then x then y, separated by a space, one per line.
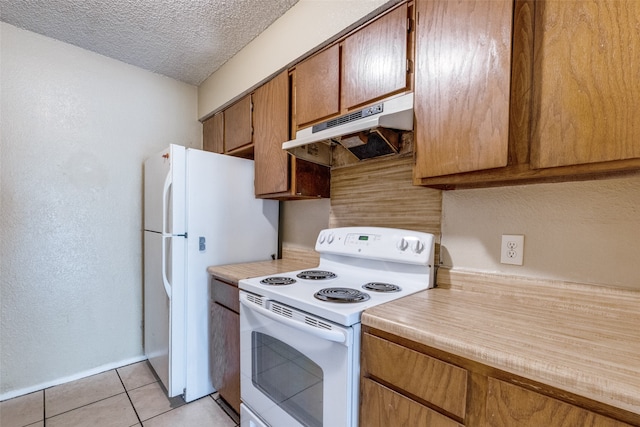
pixel 89 404
pixel 44 409
pixel 128 397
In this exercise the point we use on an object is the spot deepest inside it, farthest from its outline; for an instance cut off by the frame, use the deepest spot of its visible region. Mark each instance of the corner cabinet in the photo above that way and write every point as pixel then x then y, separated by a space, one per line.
pixel 526 91
pixel 277 174
pixel 369 64
pixel 434 388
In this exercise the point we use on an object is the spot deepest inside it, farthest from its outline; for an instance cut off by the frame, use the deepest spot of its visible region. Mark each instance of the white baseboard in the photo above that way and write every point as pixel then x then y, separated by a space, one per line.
pixel 15 393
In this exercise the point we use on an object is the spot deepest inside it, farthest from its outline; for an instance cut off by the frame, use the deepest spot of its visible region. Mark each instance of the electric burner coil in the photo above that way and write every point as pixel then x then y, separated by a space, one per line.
pixel 341 295
pixel 381 287
pixel 316 275
pixel 278 281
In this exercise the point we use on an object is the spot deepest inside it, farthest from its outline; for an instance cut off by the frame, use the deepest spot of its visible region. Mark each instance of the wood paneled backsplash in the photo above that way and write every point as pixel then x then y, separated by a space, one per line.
pixel 379 192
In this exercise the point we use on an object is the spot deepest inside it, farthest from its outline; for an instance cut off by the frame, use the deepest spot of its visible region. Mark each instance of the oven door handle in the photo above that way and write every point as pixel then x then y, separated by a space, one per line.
pixel 336 336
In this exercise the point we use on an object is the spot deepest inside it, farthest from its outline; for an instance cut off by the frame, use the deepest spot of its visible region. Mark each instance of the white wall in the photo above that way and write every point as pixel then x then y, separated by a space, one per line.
pixel 587 232
pixel 305 26
pixel 76 127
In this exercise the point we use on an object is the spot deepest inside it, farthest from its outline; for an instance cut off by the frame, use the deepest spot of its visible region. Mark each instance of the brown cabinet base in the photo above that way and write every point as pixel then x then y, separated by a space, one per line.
pixel 404 383
pixel 225 341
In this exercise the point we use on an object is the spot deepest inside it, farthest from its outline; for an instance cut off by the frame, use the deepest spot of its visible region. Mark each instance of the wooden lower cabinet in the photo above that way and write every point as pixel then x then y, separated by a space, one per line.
pixel 404 383
pixel 384 407
pixel 509 405
pixel 439 383
pixel 225 341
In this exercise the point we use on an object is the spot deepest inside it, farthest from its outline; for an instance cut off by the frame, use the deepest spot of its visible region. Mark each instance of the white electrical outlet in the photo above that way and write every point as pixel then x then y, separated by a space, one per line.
pixel 512 249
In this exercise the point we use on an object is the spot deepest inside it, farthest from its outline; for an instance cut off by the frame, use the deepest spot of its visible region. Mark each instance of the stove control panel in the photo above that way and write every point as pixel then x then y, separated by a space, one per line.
pixel 386 244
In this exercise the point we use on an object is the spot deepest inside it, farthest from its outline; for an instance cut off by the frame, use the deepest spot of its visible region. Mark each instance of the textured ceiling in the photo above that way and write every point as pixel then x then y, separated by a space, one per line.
pixel 183 39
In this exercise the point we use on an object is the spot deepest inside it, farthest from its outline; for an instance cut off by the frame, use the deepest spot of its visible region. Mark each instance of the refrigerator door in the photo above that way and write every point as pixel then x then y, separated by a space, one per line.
pixel 164 266
pixel 164 195
pixel 226 224
pixel 164 317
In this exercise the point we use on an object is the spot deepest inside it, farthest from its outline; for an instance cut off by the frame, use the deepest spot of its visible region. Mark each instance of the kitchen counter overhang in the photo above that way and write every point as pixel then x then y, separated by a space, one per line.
pixel 578 338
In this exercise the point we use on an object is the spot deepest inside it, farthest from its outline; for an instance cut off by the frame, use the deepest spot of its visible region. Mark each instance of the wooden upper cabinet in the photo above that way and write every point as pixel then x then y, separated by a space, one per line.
pixel 462 86
pixel 277 174
pixel 366 66
pixel 375 60
pixel 271 120
pixel 238 126
pixel 213 133
pixel 317 87
pixel 586 74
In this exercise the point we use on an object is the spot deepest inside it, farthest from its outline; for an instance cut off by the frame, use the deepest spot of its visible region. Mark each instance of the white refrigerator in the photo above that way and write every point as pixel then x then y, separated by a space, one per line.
pixel 199 210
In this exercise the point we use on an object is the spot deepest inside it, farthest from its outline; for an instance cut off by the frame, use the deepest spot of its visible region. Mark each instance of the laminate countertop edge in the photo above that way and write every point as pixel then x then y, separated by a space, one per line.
pixel 236 272
pixel 579 338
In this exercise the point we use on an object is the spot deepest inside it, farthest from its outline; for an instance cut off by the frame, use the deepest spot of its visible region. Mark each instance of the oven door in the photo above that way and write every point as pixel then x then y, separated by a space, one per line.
pixel 296 369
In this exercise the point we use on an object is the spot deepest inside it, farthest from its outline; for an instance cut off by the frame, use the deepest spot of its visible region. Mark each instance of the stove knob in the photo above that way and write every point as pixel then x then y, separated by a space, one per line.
pixel 402 244
pixel 417 246
pixel 321 238
pixel 330 238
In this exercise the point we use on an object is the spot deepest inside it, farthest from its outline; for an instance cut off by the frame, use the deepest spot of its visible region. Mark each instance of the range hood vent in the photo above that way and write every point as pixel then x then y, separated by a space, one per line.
pixel 366 133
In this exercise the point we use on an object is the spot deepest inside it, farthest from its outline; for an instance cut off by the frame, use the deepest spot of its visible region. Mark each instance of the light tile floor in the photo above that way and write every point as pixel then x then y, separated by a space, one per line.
pixel 124 397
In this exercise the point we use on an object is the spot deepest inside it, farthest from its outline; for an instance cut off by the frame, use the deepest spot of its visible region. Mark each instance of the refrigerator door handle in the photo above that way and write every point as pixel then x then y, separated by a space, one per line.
pixel 165 280
pixel 165 198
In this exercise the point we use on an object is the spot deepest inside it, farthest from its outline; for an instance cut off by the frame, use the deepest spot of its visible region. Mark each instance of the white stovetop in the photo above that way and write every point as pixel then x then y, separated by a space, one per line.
pixel 356 263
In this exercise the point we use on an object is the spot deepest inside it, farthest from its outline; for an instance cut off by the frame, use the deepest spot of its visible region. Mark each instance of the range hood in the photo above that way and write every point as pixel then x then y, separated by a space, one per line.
pixel 366 133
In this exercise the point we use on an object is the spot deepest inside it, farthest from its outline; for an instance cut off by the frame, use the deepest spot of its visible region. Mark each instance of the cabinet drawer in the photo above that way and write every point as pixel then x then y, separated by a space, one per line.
pixel 509 405
pixel 382 407
pixel 437 382
pixel 225 294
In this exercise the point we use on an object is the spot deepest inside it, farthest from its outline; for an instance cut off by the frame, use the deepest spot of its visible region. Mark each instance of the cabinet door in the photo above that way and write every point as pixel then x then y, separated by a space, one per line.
pixel 439 383
pixel 374 60
pixel 225 354
pixel 587 69
pixel 511 406
pixel 382 407
pixel 317 87
pixel 238 127
pixel 213 133
pixel 462 86
pixel 271 121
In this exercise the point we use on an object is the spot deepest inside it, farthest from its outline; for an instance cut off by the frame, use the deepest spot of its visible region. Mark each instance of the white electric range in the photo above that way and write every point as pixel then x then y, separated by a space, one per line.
pixel 300 331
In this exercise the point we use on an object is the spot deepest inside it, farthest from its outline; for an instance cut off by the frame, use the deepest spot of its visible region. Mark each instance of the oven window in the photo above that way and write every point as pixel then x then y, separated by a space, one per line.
pixel 288 378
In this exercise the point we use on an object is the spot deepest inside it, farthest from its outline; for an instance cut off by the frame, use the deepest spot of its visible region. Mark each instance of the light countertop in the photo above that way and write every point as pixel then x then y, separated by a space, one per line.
pixel 292 260
pixel 579 338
